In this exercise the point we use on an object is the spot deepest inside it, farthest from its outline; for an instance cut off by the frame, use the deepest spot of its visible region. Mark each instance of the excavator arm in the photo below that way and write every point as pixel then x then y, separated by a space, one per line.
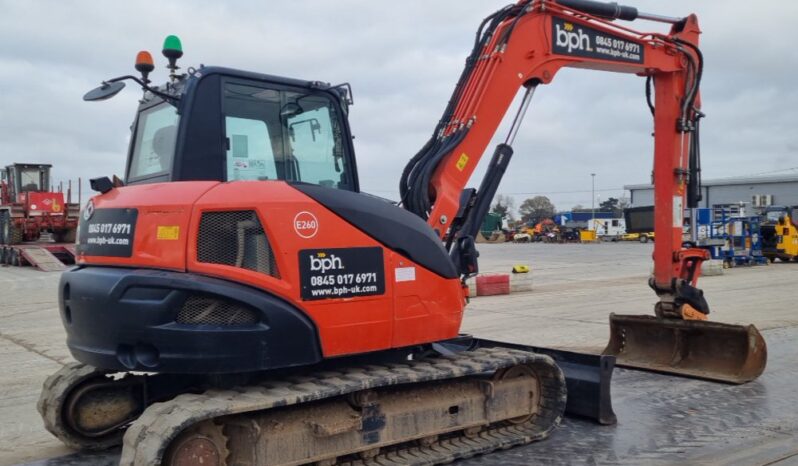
pixel 526 44
pixel 523 46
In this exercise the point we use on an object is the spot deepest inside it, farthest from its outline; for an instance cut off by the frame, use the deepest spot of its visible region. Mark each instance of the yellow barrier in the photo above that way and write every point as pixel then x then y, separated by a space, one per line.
pixel 586 236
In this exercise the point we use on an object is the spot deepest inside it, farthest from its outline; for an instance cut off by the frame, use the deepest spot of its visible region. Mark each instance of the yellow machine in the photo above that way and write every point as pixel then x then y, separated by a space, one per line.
pixel 642 237
pixel 779 234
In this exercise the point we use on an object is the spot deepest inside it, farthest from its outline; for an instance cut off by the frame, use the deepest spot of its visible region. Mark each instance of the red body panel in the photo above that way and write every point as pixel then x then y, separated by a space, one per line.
pixel 34 212
pixel 166 205
pixel 37 203
pixel 425 309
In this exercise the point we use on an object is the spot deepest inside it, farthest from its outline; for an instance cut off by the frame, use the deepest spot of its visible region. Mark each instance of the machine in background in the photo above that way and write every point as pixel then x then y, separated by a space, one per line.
pixel 31 209
pixel 779 234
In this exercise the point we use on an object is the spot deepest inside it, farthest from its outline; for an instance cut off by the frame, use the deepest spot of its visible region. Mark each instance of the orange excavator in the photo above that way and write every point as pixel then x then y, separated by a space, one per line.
pixel 238 300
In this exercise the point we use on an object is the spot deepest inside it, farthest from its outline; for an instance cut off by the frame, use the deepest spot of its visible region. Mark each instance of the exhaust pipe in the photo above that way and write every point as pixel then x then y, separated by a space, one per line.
pixel 692 348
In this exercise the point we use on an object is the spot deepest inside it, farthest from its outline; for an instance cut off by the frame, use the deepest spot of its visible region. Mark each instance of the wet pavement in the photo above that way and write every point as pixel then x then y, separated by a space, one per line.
pixel 670 420
pixel 661 420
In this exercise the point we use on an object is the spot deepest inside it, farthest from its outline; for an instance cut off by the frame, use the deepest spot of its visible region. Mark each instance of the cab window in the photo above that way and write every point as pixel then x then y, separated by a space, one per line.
pixel 312 142
pixel 30 179
pixel 249 153
pixel 154 144
pixel 283 134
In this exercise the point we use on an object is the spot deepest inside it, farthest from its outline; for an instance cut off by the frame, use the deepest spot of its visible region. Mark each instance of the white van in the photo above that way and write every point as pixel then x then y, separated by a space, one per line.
pixel 607 229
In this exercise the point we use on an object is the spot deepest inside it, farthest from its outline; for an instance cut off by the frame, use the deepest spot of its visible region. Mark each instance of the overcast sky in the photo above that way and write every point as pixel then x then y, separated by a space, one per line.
pixel 402 59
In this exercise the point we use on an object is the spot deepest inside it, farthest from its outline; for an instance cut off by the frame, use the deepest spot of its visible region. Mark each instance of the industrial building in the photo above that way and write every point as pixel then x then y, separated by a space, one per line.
pixel 752 191
pixel 580 218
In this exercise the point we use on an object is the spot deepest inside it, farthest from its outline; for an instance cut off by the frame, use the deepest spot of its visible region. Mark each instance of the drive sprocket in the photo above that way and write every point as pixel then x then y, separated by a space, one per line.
pixel 204 443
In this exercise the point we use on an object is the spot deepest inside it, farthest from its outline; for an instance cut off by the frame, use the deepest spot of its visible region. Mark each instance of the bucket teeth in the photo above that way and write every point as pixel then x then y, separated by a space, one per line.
pixel 692 348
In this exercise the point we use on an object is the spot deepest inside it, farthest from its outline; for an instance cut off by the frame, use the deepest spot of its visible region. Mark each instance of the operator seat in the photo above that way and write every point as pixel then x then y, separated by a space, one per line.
pixel 163 143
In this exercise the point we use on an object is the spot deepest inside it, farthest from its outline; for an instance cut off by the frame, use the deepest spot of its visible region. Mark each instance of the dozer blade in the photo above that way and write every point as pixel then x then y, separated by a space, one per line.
pixel 692 348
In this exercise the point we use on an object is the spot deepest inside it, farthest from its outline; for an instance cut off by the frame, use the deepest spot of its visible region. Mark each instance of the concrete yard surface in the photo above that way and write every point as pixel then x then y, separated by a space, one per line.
pixel 575 287
pixel 32 346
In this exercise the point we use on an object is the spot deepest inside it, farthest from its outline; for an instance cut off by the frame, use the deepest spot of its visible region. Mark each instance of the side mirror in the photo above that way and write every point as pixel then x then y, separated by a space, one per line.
pixel 106 91
pixel 101 185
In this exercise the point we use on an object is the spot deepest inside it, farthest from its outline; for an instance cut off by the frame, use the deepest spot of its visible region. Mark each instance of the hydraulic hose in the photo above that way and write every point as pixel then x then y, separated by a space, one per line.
pixel 694 195
pixel 414 182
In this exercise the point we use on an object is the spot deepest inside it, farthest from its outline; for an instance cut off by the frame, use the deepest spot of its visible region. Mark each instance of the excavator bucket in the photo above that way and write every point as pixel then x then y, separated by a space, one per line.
pixel 692 348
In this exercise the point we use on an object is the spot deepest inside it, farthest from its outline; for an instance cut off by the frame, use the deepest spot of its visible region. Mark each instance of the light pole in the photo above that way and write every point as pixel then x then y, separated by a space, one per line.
pixel 593 198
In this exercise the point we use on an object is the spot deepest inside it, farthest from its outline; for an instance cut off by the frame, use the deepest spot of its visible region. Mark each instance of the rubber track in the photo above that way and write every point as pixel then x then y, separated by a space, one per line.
pixel 54 392
pixel 148 437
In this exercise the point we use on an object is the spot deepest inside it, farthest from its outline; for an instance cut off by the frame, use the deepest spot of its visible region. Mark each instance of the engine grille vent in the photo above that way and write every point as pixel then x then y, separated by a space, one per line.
pixel 235 238
pixel 204 310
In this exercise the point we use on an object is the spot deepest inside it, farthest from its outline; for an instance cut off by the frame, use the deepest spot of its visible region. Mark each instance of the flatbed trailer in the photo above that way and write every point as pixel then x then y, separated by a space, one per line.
pixel 45 256
pixel 660 421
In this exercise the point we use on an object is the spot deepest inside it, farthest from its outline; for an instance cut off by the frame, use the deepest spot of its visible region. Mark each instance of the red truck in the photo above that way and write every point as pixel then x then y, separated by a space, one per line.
pixel 29 207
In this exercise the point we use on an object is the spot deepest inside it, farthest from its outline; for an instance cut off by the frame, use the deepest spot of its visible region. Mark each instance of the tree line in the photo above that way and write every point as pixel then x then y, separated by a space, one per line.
pixel 535 209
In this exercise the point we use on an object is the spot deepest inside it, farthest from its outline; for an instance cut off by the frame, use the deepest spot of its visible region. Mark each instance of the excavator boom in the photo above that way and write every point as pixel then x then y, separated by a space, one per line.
pixel 526 45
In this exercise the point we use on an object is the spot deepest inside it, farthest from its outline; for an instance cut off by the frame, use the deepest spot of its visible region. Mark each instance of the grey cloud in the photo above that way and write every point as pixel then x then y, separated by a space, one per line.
pixel 402 60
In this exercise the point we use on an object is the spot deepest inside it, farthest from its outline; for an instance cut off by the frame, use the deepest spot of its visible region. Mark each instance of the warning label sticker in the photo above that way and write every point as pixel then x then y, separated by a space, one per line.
pixel 570 38
pixel 170 232
pixel 341 272
pixel 405 274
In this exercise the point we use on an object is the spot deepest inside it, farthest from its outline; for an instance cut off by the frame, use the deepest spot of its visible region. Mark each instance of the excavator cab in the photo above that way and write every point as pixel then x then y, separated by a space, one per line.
pixel 221 124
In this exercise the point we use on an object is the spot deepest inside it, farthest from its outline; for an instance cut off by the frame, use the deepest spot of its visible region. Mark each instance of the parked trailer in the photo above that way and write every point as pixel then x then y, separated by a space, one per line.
pixel 48 257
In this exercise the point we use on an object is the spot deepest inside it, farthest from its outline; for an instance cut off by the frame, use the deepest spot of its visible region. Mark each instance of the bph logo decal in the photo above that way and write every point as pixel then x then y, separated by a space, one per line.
pixel 322 262
pixel 566 37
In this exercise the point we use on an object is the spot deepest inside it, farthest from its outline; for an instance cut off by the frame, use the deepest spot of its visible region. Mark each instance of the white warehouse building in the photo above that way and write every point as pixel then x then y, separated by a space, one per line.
pixel 752 191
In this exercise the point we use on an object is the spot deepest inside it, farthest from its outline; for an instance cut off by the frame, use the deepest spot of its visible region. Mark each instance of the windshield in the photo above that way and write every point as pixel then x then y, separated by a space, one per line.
pixel 30 180
pixel 283 134
pixel 154 146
